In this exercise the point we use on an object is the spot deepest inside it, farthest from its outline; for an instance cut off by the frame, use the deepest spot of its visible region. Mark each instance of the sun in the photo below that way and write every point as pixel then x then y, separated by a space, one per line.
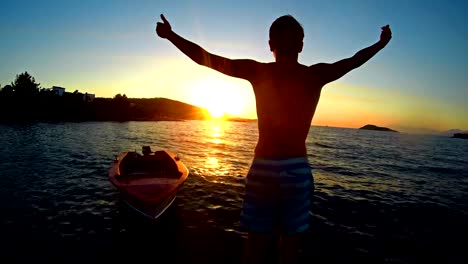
pixel 216 111
pixel 219 97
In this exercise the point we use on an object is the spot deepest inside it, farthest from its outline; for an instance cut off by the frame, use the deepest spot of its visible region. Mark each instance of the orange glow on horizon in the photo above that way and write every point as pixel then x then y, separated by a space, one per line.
pixel 220 98
pixel 341 105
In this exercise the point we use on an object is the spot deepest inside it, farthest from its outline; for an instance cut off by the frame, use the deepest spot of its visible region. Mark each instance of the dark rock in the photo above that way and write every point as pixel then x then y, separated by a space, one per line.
pixel 377 128
pixel 460 135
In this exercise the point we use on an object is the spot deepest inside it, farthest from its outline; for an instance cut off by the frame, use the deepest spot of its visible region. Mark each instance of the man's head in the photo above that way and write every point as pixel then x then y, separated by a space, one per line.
pixel 286 36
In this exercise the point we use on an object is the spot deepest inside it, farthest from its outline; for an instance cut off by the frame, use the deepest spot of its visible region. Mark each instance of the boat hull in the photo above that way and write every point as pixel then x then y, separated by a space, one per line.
pixel 148 193
pixel 149 210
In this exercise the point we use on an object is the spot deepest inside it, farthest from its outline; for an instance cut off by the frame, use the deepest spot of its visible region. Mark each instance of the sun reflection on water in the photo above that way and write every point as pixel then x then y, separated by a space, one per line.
pixel 215 164
pixel 220 152
pixel 216 131
pixel 212 163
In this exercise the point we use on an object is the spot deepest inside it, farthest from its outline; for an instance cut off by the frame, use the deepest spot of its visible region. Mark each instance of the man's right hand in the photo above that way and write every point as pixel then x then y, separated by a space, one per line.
pixel 386 35
pixel 163 29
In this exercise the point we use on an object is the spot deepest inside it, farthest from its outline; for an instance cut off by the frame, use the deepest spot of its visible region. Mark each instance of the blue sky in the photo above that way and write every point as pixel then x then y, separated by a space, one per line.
pixel 109 47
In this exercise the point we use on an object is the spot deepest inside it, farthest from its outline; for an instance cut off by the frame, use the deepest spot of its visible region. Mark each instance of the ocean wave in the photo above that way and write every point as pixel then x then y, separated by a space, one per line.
pixel 336 170
pixel 323 145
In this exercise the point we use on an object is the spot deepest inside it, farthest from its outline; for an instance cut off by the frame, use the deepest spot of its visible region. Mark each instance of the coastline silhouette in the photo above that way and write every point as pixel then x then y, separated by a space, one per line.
pixel 25 101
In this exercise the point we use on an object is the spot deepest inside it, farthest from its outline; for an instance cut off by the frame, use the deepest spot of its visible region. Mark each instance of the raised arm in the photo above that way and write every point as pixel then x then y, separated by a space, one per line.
pixel 244 69
pixel 334 71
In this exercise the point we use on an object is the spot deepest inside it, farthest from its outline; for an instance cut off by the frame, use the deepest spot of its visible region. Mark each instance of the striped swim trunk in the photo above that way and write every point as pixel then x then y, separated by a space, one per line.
pixel 277 196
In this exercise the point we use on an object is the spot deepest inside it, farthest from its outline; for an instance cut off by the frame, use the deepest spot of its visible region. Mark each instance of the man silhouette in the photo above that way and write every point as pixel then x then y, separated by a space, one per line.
pixel 280 182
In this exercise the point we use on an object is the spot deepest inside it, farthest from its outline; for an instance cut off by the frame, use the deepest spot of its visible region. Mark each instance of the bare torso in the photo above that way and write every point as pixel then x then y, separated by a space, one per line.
pixel 286 93
pixel 286 98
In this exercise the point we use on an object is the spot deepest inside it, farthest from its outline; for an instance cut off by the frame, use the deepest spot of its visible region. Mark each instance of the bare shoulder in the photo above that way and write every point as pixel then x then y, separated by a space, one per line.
pixel 240 68
pixel 261 68
pixel 250 65
pixel 248 61
pixel 319 67
pixel 321 71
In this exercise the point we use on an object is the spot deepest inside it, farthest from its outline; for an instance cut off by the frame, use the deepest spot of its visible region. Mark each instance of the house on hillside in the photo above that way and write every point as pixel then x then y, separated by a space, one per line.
pixel 88 97
pixel 58 90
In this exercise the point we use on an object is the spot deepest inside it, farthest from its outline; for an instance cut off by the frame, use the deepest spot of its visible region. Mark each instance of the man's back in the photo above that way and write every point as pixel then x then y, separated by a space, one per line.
pixel 286 92
pixel 286 96
pixel 280 181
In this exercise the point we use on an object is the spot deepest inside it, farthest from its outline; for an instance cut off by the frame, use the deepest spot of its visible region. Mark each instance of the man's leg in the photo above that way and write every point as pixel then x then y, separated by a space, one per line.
pixel 296 191
pixel 289 249
pixel 258 212
pixel 260 248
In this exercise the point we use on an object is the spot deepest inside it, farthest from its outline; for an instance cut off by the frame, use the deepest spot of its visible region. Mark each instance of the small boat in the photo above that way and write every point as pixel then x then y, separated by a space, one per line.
pixel 148 182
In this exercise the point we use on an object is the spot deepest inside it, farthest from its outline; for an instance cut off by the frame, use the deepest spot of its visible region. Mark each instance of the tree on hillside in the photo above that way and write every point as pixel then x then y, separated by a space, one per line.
pixel 25 85
pixel 6 90
pixel 120 107
pixel 120 98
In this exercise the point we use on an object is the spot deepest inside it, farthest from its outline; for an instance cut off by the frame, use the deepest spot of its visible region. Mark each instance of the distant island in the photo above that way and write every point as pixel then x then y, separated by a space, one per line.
pixel 25 100
pixel 460 135
pixel 377 128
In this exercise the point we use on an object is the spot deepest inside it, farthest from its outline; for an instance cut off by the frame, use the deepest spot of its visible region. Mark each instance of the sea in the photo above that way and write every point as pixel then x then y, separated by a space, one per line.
pixel 380 197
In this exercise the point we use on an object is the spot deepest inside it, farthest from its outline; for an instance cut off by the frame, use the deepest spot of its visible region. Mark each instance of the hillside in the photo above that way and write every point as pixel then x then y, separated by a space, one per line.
pixel 164 109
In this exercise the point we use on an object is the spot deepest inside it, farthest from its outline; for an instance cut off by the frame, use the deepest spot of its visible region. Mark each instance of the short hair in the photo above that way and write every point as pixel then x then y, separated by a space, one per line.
pixel 286 32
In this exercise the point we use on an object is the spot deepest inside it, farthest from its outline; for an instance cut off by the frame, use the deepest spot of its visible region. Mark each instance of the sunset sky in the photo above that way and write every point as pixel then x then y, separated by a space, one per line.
pixel 107 47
